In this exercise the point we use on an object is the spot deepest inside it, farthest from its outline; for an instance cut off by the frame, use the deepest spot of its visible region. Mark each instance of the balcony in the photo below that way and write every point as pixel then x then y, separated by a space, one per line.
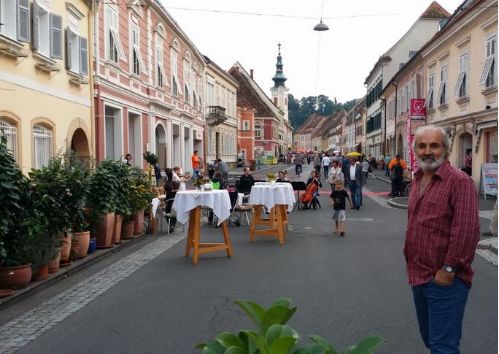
pixel 215 115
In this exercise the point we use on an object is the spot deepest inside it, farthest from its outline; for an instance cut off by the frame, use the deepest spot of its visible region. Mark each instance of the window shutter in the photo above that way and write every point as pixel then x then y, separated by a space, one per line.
pixel 34 41
pixel 83 56
pixel 23 20
pixel 68 49
pixel 55 36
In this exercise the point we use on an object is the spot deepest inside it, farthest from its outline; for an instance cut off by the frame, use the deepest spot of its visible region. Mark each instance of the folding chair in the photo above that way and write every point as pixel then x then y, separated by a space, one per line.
pixel 171 214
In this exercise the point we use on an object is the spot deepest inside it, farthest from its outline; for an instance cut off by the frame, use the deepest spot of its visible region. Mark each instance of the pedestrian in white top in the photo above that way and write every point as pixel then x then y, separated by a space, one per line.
pixel 326 161
pixel 335 174
pixel 365 170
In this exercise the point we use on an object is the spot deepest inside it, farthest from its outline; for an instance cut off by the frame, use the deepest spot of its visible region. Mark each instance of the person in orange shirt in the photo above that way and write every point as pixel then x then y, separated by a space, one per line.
pixel 196 164
pixel 397 167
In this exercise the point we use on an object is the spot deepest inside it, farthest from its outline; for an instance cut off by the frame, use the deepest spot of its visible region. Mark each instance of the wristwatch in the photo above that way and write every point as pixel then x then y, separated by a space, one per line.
pixel 448 268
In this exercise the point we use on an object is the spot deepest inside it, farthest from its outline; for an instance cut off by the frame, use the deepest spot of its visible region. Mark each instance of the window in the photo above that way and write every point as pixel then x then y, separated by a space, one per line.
pixel 47 32
pixel 210 89
pixel 176 88
pixel 114 49
pixel 489 72
pixel 258 130
pixel 42 144
pixel 9 131
pixel 460 89
pixel 159 61
pixel 246 125
pixel 187 80
pixel 136 58
pixel 76 48
pixel 442 94
pixel 429 96
pixel 15 19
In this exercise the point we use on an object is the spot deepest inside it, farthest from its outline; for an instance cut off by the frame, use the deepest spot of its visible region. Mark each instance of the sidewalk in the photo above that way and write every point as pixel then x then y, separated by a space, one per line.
pixel 485 209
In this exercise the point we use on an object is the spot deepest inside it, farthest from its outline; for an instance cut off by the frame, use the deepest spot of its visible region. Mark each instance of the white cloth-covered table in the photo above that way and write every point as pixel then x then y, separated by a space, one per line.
pixel 272 194
pixel 218 200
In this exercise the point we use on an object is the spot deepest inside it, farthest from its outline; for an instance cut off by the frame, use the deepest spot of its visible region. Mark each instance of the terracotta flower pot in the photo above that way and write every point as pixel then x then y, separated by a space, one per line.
pixel 83 241
pixel 54 263
pixel 15 277
pixel 105 231
pixel 127 229
pixel 42 273
pixel 66 247
pixel 118 221
pixel 139 223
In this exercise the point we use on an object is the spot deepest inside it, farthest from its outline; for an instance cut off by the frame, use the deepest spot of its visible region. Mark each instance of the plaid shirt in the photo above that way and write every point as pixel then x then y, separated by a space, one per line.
pixel 443 226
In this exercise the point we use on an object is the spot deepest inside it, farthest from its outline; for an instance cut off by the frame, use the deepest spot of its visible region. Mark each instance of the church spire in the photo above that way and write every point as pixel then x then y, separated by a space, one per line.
pixel 279 77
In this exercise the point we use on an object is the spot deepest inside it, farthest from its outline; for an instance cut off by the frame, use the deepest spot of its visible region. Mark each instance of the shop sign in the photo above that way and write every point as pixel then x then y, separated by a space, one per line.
pixel 418 109
pixel 489 179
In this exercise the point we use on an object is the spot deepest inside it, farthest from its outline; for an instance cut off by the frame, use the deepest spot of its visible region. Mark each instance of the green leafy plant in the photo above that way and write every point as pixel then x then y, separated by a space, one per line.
pixel 271 176
pixel 139 194
pixel 151 158
pixel 104 188
pixel 274 336
pixel 20 222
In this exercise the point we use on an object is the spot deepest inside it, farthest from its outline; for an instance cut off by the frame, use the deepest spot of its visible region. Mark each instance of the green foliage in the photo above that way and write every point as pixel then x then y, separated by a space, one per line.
pixel 300 110
pixel 104 187
pixel 139 194
pixel 273 336
pixel 151 158
pixel 20 223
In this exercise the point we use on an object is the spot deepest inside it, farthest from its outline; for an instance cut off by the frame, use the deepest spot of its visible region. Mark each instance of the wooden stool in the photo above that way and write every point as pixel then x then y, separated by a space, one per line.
pixel 194 236
pixel 278 218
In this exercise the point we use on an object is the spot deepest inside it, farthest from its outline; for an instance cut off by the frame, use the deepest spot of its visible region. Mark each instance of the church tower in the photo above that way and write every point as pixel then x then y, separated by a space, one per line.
pixel 280 91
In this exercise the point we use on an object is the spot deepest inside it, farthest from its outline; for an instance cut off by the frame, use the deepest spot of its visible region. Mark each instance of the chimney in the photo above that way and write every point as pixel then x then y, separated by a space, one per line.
pixel 251 73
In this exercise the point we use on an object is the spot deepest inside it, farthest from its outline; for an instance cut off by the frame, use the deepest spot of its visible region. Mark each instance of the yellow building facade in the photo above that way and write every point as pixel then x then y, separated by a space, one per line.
pixel 460 71
pixel 45 81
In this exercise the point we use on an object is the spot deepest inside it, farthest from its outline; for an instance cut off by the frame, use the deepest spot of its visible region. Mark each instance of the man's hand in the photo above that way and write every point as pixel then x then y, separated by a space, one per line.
pixel 444 278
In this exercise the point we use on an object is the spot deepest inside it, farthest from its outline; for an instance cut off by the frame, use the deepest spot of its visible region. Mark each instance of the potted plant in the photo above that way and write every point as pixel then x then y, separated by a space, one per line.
pixel 271 177
pixel 77 172
pixel 123 207
pixel 103 199
pixel 20 223
pixel 152 159
pixel 139 197
pixel 274 336
pixel 52 198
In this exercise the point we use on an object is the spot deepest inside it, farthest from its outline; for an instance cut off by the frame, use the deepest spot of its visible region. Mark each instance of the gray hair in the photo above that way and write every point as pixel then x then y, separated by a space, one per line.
pixel 445 137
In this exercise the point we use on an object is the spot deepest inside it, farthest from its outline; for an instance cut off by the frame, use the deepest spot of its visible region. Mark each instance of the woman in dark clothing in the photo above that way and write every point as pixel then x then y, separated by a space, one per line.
pixel 314 178
pixel 170 196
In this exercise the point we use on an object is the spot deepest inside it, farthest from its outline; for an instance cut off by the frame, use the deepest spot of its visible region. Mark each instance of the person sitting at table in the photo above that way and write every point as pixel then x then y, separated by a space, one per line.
pixel 246 181
pixel 283 176
pixel 179 177
pixel 170 196
pixel 218 180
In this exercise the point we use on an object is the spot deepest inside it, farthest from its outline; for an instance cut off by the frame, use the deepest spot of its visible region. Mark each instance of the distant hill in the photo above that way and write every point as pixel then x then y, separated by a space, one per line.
pixel 300 110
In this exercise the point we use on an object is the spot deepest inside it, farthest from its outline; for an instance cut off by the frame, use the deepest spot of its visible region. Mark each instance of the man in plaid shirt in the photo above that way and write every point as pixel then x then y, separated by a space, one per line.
pixel 442 234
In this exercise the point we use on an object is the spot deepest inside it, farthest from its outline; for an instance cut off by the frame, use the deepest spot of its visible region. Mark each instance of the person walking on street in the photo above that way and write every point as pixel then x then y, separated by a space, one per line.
pixel 335 174
pixel 353 179
pixel 222 166
pixel 196 164
pixel 298 164
pixel 365 170
pixel 442 234
pixel 387 162
pixel 317 163
pixel 397 167
pixel 326 161
pixel 338 200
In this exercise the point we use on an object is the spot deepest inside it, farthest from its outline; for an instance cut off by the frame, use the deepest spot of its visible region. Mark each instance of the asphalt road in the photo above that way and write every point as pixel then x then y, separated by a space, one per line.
pixel 155 301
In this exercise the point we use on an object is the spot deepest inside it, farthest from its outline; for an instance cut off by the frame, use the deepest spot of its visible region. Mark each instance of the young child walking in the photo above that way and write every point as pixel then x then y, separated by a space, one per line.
pixel 338 201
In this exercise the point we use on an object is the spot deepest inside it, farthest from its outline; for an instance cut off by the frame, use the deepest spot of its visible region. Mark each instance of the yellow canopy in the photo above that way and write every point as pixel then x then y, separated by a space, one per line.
pixel 354 154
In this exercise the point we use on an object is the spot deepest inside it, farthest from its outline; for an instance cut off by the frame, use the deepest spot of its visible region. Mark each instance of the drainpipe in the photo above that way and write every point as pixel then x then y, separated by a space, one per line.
pixel 395 117
pixel 384 129
pixel 91 36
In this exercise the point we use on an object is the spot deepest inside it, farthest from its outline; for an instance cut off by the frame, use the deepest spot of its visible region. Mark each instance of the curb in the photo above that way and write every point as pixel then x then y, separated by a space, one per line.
pixel 63 273
pixel 398 202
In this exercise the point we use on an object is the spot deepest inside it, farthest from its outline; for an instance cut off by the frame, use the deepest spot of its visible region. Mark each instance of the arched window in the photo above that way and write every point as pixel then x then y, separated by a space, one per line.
pixel 9 131
pixel 42 145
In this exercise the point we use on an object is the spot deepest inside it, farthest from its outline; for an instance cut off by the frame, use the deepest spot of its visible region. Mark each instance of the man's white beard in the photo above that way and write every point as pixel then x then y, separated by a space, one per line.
pixel 429 164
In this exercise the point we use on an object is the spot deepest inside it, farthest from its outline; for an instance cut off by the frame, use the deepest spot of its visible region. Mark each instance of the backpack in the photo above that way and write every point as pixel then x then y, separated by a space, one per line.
pixel 398 171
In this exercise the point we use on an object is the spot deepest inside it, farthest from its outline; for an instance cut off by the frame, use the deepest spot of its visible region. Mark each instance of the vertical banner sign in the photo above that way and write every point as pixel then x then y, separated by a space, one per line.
pixel 411 157
pixel 418 109
pixel 489 179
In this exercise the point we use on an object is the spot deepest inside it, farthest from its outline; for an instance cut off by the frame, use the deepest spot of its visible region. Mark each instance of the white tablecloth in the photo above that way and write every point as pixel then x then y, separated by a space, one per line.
pixel 218 200
pixel 272 194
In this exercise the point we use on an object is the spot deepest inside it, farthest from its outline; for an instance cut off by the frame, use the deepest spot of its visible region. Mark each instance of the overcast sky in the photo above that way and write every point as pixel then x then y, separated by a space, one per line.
pixel 334 63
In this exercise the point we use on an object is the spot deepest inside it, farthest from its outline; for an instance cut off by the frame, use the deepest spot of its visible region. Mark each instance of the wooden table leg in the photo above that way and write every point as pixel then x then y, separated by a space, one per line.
pixel 227 239
pixel 254 220
pixel 196 215
pixel 190 233
pixel 280 223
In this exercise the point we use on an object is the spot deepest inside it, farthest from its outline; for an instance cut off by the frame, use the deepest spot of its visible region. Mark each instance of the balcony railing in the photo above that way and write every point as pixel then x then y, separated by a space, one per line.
pixel 215 115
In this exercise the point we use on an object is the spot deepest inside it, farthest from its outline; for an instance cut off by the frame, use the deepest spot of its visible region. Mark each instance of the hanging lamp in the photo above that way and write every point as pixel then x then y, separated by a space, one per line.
pixel 321 27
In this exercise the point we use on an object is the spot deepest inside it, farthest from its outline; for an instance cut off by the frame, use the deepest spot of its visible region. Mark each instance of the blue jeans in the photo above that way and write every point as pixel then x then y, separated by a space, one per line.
pixel 355 190
pixel 326 171
pixel 195 173
pixel 440 312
